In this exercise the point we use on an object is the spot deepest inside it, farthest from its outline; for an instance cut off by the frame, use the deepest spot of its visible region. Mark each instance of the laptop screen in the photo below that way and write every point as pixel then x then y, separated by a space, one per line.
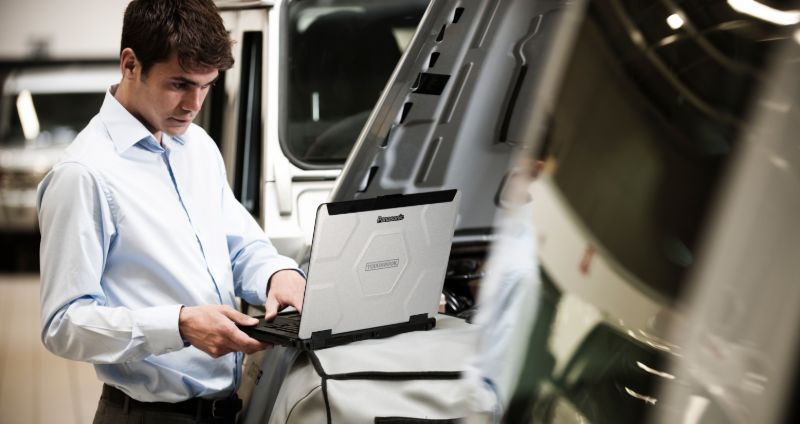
pixel 377 262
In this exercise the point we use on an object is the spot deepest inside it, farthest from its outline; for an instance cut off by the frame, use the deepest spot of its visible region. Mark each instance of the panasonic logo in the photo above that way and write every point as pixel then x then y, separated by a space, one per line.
pixel 382 219
pixel 388 263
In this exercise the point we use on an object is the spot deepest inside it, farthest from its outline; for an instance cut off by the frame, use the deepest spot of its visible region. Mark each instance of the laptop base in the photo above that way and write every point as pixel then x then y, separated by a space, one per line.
pixel 325 339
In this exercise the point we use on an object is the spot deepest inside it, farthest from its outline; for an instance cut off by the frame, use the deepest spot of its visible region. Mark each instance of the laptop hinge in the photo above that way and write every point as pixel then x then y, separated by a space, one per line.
pixel 419 318
pixel 325 338
pixel 320 339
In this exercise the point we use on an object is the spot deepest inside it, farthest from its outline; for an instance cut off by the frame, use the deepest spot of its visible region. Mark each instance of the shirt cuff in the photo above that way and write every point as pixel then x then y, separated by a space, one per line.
pixel 159 327
pixel 253 280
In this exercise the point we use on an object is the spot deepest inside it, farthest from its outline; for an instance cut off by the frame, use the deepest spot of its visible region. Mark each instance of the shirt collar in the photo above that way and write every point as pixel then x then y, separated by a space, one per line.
pixel 125 130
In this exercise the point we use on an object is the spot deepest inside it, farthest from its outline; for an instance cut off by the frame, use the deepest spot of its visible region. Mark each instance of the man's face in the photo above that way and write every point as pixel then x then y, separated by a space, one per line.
pixel 168 97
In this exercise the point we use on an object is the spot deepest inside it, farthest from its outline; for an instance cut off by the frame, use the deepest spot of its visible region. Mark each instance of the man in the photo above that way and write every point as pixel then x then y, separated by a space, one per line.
pixel 144 246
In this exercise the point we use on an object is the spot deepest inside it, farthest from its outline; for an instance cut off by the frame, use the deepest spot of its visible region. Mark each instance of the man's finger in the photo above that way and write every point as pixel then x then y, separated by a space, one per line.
pixel 299 302
pixel 244 343
pixel 256 348
pixel 239 317
pixel 288 288
pixel 272 307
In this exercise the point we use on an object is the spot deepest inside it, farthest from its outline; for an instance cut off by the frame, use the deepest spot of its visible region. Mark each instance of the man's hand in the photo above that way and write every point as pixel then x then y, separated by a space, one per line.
pixel 212 329
pixel 286 287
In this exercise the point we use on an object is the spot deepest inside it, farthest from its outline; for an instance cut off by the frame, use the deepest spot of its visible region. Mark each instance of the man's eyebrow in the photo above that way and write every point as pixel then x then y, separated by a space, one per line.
pixel 193 83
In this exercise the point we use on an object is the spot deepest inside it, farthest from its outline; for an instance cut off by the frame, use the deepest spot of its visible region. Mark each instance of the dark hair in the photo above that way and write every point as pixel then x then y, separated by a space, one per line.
pixel 192 29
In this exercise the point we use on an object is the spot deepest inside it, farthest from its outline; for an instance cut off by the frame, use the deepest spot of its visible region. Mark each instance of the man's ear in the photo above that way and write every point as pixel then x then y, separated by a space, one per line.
pixel 129 64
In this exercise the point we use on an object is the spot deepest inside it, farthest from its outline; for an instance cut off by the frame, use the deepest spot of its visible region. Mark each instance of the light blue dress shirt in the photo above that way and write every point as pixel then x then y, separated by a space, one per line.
pixel 131 231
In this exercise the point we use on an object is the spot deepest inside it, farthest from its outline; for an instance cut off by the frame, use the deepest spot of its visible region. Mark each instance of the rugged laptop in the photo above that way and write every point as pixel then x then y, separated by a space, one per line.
pixel 377 269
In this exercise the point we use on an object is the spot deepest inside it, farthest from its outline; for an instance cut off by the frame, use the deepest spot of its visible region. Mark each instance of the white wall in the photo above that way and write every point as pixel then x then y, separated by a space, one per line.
pixel 85 29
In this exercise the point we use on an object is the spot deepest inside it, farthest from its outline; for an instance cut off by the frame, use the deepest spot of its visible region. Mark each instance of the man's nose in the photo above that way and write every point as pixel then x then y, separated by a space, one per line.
pixel 192 100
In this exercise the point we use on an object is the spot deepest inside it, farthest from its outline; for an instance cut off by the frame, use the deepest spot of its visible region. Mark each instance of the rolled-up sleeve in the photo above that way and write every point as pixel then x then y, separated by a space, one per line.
pixel 77 227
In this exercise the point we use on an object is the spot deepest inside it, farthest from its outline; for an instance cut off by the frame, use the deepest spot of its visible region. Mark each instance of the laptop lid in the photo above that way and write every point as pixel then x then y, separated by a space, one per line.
pixel 378 262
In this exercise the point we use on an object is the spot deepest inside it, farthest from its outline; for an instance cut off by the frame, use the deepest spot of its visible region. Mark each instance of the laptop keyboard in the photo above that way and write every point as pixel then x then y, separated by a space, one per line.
pixel 289 323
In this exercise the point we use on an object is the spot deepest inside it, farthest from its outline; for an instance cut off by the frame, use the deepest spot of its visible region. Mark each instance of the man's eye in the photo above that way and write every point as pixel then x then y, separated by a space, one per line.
pixel 179 85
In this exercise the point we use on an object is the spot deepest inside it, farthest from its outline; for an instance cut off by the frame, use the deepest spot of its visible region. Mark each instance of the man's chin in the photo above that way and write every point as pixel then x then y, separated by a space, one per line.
pixel 176 130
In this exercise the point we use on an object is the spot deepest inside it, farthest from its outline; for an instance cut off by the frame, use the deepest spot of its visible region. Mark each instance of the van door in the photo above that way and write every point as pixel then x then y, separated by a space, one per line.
pixel 307 75
pixel 234 114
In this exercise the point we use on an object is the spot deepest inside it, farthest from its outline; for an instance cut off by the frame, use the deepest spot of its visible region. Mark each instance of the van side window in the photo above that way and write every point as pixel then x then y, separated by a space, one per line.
pixel 339 59
pixel 211 114
pixel 248 140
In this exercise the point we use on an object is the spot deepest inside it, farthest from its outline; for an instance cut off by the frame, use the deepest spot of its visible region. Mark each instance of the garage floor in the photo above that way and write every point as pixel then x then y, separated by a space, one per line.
pixel 35 385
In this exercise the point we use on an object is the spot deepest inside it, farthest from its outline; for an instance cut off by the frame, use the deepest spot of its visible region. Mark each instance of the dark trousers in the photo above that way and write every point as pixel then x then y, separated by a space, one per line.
pixel 116 407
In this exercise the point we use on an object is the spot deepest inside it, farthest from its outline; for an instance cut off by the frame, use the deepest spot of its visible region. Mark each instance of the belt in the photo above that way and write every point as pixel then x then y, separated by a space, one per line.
pixel 196 407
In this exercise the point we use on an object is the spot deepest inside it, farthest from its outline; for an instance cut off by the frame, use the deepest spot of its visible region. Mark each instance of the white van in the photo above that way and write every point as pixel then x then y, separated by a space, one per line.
pixel 306 77
pixel 666 243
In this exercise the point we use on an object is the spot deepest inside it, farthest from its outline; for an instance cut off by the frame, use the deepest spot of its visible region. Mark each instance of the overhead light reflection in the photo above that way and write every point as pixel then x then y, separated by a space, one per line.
pixel 315 106
pixel 675 21
pixel 655 372
pixel 797 36
pixel 765 13
pixel 27 115
pixel 648 340
pixel 647 399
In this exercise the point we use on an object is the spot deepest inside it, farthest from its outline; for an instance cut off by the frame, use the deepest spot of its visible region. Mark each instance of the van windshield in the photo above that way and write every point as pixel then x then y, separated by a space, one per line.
pixel 339 59
pixel 45 119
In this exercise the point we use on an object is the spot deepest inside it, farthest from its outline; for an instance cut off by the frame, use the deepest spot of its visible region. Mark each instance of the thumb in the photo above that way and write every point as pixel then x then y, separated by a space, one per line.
pixel 271 306
pixel 239 317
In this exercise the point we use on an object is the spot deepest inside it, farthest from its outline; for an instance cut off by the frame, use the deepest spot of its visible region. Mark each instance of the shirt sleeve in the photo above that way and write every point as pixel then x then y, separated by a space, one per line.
pixel 253 257
pixel 77 227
